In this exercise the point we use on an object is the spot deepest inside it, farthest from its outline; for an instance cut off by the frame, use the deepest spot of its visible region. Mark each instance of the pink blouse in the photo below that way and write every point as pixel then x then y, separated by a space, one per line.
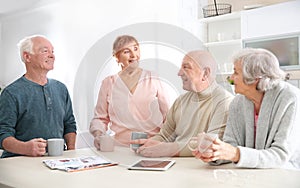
pixel 143 110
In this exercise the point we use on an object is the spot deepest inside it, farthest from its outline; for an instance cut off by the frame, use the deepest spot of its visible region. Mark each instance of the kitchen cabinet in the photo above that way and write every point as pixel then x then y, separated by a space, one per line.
pixel 222 38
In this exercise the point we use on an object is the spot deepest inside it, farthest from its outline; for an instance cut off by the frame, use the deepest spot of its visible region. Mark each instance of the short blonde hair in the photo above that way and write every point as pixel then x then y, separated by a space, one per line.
pixel 121 41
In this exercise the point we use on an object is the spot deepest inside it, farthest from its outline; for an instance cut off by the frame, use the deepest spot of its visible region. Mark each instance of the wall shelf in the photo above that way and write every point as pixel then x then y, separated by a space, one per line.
pixel 224 43
pixel 225 34
pixel 223 37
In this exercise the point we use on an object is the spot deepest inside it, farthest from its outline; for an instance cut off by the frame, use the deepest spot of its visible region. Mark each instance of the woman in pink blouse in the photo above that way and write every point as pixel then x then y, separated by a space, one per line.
pixel 132 100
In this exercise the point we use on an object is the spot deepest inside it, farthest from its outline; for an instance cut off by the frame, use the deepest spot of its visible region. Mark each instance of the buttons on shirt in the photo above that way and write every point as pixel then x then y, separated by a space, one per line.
pixel 47 97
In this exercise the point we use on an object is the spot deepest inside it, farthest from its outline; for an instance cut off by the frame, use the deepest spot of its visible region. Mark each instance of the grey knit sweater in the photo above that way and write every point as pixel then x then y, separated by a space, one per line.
pixel 277 142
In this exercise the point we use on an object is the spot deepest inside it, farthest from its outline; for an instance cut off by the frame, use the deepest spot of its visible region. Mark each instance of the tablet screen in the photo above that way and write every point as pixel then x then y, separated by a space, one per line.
pixel 145 164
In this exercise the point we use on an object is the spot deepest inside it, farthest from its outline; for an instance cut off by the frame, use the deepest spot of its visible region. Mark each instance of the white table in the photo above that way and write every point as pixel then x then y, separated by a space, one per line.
pixel 30 172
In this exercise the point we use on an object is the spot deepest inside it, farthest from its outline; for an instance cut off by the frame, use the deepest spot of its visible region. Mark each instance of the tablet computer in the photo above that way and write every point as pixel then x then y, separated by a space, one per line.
pixel 147 164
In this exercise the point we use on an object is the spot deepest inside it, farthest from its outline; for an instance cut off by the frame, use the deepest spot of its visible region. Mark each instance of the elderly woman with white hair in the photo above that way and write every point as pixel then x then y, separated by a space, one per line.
pixel 263 127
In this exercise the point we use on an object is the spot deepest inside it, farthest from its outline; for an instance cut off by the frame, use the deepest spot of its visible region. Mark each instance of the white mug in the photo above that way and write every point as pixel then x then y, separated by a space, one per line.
pixel 55 146
pixel 107 143
pixel 202 142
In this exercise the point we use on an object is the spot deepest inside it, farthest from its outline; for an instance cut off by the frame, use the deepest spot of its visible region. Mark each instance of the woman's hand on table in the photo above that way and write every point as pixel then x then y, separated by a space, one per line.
pixel 218 150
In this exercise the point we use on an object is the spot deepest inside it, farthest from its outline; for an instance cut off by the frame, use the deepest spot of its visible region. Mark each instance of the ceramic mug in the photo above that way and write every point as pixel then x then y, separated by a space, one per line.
pixel 202 142
pixel 107 143
pixel 135 136
pixel 55 146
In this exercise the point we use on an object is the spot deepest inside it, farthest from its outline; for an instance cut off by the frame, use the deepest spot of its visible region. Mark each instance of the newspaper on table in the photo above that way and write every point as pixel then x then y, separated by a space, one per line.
pixel 78 163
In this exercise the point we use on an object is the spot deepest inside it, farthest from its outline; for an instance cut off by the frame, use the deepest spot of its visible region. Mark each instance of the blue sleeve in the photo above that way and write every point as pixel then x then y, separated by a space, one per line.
pixel 69 119
pixel 8 116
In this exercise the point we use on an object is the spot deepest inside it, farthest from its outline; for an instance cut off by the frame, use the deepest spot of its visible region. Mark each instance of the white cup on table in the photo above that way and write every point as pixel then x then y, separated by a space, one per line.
pixel 202 142
pixel 55 146
pixel 107 143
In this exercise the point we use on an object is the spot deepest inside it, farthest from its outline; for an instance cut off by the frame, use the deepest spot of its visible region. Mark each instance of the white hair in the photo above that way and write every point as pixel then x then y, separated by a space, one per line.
pixel 26 45
pixel 258 63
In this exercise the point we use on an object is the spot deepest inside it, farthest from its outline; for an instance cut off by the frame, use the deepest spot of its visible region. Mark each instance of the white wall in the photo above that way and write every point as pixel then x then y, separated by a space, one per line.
pixel 82 32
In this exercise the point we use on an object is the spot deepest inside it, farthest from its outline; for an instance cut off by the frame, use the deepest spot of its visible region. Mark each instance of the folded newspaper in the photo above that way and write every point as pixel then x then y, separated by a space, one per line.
pixel 78 163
